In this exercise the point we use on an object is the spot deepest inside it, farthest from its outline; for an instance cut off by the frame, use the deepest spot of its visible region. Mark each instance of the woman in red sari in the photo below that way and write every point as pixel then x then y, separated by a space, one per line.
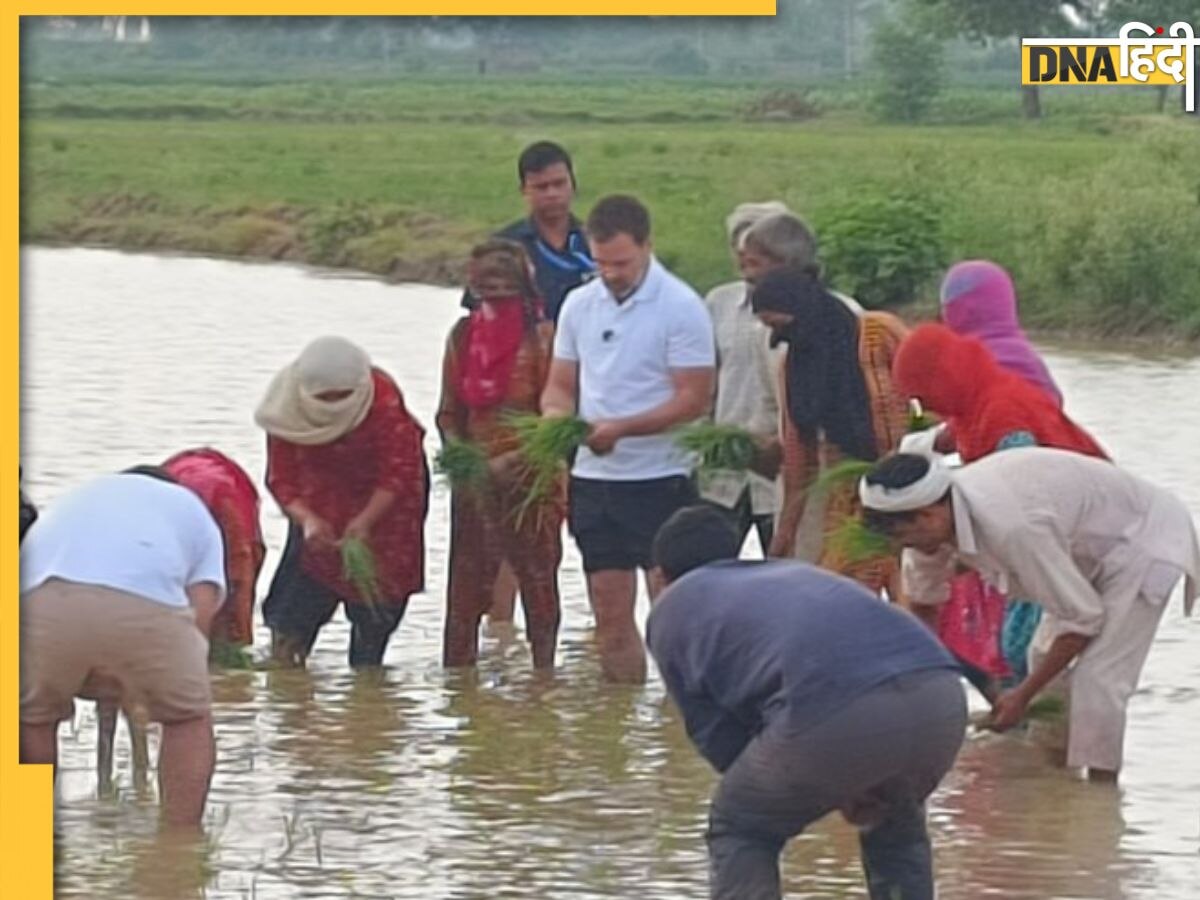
pixel 230 496
pixel 989 408
pixel 497 359
pixel 344 460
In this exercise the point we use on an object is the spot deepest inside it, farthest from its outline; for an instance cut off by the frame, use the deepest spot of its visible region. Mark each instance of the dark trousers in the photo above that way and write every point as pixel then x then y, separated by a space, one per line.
pixel 877 759
pixel 298 606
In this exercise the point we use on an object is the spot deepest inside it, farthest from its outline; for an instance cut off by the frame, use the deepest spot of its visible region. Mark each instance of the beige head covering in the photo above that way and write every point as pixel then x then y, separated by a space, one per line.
pixel 745 215
pixel 290 409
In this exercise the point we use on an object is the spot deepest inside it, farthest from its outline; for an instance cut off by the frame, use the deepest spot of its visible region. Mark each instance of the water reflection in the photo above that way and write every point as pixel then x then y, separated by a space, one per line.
pixel 423 784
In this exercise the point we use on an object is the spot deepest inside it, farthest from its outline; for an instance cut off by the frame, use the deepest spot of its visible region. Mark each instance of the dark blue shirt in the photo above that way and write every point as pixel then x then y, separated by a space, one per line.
pixel 743 644
pixel 555 271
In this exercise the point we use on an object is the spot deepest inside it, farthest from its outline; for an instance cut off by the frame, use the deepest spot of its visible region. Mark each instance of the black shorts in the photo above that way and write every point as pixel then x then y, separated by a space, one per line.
pixel 614 522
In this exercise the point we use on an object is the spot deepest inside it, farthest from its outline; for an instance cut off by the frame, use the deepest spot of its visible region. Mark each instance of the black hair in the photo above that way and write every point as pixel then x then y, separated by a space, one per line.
pixel 619 214
pixel 151 472
pixel 899 470
pixel 693 537
pixel 540 156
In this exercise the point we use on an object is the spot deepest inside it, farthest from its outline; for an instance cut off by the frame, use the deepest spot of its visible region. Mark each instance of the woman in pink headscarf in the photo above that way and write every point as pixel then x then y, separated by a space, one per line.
pixel 978 300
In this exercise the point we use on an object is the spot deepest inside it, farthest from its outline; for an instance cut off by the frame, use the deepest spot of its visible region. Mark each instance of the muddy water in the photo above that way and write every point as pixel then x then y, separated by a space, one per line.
pixel 417 784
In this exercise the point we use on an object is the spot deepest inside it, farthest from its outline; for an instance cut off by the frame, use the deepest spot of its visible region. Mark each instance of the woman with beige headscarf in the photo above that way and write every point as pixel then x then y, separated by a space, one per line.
pixel 344 460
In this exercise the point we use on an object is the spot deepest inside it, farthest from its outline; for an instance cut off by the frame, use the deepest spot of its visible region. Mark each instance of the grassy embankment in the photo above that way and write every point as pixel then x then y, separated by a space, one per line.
pixel 1095 209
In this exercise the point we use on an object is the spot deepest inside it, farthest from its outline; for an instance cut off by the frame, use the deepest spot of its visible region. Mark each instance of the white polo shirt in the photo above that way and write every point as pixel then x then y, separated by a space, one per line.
pixel 130 533
pixel 625 352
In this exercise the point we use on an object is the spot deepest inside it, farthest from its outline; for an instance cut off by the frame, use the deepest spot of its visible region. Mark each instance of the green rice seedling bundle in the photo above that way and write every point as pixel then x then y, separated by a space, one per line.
pixel 718 446
pixel 227 655
pixel 848 470
pixel 545 444
pixel 858 543
pixel 463 463
pixel 358 568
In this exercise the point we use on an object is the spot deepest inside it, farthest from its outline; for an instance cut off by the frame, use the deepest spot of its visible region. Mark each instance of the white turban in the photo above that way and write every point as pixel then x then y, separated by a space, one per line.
pixel 922 442
pixel 291 409
pixel 925 491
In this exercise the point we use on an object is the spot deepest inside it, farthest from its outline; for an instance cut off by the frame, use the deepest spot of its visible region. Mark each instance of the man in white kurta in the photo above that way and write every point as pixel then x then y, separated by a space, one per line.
pixel 1100 549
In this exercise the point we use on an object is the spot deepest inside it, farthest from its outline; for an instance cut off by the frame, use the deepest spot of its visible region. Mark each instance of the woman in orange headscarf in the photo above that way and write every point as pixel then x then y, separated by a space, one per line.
pixel 988 408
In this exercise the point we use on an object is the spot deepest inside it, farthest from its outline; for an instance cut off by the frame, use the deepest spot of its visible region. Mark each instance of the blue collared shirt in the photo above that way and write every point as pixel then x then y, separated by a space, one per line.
pixel 557 271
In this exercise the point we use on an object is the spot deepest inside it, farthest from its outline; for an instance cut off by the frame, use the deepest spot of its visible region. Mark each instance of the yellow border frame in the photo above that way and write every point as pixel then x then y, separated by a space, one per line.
pixel 26 806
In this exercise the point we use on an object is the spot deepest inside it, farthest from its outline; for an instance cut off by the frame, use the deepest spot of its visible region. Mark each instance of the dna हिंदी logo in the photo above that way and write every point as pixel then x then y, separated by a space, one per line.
pixel 1140 55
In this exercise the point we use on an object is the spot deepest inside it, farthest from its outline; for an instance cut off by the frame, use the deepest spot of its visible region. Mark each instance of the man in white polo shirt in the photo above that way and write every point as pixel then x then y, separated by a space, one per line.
pixel 634 354
pixel 120 580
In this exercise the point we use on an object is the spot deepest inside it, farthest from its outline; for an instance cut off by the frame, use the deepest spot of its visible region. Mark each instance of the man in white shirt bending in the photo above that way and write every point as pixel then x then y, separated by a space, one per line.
pixel 1098 548
pixel 634 355
pixel 120 580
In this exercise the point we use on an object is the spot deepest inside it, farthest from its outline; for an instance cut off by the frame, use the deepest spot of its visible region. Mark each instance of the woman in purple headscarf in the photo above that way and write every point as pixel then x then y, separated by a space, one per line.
pixel 978 300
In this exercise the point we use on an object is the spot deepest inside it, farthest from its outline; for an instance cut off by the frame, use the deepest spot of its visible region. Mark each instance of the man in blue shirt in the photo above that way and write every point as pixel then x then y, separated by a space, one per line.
pixel 554 242
pixel 809 695
pixel 551 235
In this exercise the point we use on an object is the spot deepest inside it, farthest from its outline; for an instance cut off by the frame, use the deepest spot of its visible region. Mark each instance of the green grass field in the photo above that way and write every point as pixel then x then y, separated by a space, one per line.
pixel 1095 209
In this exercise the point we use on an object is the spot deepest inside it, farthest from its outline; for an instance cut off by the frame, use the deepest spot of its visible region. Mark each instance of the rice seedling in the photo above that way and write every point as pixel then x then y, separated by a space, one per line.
pixel 858 543
pixel 463 463
pixel 848 470
pixel 227 655
pixel 545 444
pixel 720 447
pixel 358 568
pixel 1046 707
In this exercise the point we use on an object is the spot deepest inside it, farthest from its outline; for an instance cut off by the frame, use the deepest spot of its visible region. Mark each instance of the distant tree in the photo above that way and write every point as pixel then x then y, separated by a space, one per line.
pixel 908 60
pixel 979 19
pixel 883 248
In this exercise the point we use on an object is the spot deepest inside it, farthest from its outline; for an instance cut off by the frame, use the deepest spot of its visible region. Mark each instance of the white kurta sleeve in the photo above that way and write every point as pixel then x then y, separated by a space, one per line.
pixel 1037 560
pixel 926 576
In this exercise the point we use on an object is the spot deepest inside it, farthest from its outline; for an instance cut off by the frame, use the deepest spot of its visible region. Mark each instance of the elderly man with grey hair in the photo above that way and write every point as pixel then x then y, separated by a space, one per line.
pixel 781 240
pixel 746 389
